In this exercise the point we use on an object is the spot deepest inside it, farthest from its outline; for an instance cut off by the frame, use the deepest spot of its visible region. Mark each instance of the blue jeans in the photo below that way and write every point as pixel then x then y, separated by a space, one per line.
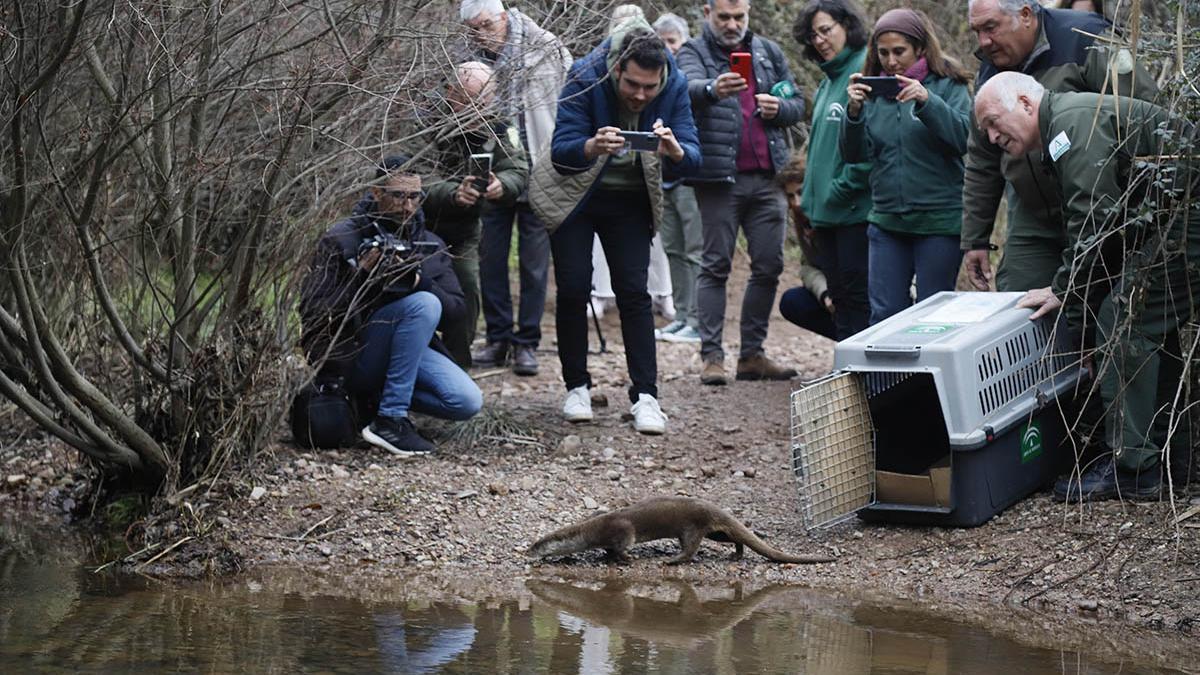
pixel 895 258
pixel 397 362
pixel 533 261
pixel 799 306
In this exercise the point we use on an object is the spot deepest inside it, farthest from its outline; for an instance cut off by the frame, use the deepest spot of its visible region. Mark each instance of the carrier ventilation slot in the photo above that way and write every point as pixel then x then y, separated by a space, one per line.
pixel 1009 386
pixel 878 382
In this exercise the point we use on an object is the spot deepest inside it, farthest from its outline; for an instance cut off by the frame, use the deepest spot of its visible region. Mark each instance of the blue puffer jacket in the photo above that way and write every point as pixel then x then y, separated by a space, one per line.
pixel 589 101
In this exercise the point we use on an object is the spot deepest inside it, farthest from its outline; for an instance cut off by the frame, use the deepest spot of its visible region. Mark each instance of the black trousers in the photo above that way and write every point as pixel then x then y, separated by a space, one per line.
pixel 624 223
pixel 844 250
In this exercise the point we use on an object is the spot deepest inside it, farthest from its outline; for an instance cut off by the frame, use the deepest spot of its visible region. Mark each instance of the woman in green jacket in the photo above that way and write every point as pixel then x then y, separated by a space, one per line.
pixel 835 197
pixel 915 140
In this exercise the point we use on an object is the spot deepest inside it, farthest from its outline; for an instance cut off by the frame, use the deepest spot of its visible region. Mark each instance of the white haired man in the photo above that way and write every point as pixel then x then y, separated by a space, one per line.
pixel 1056 48
pixel 530 66
pixel 1123 168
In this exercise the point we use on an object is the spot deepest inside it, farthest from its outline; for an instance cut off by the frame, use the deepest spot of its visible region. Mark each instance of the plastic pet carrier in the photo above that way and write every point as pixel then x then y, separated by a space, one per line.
pixel 944 414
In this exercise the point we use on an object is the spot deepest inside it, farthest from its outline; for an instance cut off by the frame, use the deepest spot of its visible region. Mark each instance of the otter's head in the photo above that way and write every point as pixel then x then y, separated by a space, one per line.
pixel 551 546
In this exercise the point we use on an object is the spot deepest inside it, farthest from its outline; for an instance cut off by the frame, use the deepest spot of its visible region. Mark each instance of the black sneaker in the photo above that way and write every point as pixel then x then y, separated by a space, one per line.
pixel 491 355
pixel 398 436
pixel 525 360
pixel 1105 480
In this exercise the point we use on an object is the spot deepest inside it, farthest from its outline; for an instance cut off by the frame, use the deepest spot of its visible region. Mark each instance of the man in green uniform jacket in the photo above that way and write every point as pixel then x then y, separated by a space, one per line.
pixel 454 205
pixel 1128 178
pixel 1057 49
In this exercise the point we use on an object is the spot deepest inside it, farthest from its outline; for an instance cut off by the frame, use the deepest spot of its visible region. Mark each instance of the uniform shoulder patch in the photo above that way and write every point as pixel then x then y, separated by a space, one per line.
pixel 1059 145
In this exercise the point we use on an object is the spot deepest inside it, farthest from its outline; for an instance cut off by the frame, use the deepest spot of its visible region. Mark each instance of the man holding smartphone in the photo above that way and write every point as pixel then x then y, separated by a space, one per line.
pixel 597 184
pixel 744 99
pixel 455 204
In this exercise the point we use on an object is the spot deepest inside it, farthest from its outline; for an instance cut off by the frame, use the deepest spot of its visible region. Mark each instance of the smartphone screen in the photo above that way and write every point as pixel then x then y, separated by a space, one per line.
pixel 480 167
pixel 742 64
pixel 640 141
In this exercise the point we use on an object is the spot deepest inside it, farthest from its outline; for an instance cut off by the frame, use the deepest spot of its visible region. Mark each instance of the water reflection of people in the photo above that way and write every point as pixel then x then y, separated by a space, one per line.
pixel 422 641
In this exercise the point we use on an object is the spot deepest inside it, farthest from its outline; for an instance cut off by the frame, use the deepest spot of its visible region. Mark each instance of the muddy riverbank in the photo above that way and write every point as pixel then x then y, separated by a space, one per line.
pixel 471 510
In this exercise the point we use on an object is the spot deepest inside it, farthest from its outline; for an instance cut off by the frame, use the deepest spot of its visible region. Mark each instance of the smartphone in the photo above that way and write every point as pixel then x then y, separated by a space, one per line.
pixel 886 86
pixel 480 166
pixel 641 141
pixel 741 63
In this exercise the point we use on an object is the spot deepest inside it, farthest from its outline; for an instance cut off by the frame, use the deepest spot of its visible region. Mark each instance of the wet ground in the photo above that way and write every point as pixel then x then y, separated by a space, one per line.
pixel 58 615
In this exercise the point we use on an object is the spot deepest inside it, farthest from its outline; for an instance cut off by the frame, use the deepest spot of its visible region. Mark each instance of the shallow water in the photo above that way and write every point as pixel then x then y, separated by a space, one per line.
pixel 57 615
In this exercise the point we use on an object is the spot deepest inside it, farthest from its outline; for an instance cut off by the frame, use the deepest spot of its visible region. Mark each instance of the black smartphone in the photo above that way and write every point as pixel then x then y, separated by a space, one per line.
pixel 640 141
pixel 480 166
pixel 887 86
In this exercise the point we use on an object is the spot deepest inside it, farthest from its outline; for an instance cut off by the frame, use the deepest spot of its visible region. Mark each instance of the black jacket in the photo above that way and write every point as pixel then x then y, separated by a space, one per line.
pixel 719 122
pixel 337 297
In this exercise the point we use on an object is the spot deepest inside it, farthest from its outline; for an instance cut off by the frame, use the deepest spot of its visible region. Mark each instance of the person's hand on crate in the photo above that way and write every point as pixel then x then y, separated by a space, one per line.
pixel 1041 300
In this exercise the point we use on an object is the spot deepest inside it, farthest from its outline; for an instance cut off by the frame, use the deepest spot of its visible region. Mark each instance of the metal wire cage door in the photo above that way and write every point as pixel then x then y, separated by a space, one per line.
pixel 833 449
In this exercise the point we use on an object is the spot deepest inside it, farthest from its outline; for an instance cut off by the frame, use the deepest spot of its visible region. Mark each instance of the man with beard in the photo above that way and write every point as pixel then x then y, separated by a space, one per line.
pixel 379 287
pixel 742 124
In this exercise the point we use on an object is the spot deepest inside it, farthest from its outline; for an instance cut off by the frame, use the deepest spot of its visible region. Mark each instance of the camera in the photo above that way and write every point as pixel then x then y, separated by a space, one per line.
pixel 389 245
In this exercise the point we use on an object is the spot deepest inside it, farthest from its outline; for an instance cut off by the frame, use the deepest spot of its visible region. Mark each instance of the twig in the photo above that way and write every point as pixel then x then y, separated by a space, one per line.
pixel 1013 589
pixel 170 548
pixel 127 558
pixel 1185 580
pixel 1063 582
pixel 489 373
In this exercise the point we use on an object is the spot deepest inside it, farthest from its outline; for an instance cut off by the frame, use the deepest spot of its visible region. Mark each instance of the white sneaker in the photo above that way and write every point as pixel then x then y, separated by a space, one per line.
pixel 662 333
pixel 578 406
pixel 685 334
pixel 648 418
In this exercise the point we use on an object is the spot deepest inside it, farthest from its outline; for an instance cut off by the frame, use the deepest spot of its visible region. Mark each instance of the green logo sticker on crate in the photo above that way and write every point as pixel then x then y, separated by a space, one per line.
pixel 930 329
pixel 1031 442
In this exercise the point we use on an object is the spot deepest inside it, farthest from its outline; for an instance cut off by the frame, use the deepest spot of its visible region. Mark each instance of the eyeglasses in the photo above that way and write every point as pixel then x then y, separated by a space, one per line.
pixel 822 32
pixel 401 195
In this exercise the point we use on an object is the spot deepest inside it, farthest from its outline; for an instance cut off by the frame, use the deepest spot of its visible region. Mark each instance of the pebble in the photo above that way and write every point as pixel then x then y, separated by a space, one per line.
pixel 599 400
pixel 590 504
pixel 739 474
pixel 466 494
pixel 529 483
pixel 749 472
pixel 258 493
pixel 708 471
pixel 338 472
pixel 613 475
pixel 325 550
pixel 1088 605
pixel 15 479
pixel 609 454
pixel 499 489
pixel 570 445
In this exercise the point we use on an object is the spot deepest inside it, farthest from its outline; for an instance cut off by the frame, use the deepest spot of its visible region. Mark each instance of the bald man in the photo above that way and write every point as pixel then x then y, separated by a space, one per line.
pixel 456 203
pixel 1128 177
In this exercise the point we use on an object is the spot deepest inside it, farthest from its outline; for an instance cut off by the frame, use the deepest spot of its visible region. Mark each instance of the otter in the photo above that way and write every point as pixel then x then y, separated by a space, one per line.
pixel 684 518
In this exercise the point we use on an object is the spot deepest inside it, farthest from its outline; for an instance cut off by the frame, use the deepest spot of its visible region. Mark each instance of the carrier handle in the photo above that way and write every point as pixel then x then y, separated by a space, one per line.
pixel 897 351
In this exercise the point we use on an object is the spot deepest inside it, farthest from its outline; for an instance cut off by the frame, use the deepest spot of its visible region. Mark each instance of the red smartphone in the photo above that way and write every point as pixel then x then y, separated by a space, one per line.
pixel 742 64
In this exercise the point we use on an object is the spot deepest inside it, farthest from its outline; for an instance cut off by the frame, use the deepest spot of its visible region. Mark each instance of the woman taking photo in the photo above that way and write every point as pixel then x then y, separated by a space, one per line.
pixel 915 139
pixel 835 197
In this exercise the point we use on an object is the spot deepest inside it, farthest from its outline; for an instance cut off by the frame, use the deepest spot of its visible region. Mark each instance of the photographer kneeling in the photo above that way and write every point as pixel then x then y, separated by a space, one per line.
pixel 379 287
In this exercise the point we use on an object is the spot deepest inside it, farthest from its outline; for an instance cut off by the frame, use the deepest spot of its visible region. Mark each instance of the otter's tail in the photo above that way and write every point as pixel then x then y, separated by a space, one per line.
pixel 739 533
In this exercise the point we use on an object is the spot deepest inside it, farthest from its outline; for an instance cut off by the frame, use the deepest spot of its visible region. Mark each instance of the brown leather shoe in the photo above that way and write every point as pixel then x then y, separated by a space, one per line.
pixel 759 367
pixel 713 373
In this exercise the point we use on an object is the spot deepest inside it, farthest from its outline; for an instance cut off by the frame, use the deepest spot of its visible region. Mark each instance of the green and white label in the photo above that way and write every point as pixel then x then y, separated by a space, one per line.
pixel 1031 442
pixel 929 329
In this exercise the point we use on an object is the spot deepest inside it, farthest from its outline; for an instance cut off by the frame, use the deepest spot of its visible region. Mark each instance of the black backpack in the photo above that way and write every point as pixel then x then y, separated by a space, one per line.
pixel 323 415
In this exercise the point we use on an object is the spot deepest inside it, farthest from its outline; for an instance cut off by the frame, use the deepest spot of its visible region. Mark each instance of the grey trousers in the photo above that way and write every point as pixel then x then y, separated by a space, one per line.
pixel 683 242
pixel 756 204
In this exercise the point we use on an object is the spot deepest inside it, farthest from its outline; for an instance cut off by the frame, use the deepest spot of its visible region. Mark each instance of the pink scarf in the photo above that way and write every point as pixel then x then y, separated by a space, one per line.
pixel 919 70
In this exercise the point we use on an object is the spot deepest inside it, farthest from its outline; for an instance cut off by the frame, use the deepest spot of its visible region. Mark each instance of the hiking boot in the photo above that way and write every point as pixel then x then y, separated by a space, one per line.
pixel 398 436
pixel 685 334
pixel 713 373
pixel 491 355
pixel 662 333
pixel 525 360
pixel 648 418
pixel 578 406
pixel 1105 480
pixel 759 367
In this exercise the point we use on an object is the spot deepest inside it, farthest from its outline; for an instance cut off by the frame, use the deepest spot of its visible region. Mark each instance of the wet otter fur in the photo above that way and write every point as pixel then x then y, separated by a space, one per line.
pixel 684 518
